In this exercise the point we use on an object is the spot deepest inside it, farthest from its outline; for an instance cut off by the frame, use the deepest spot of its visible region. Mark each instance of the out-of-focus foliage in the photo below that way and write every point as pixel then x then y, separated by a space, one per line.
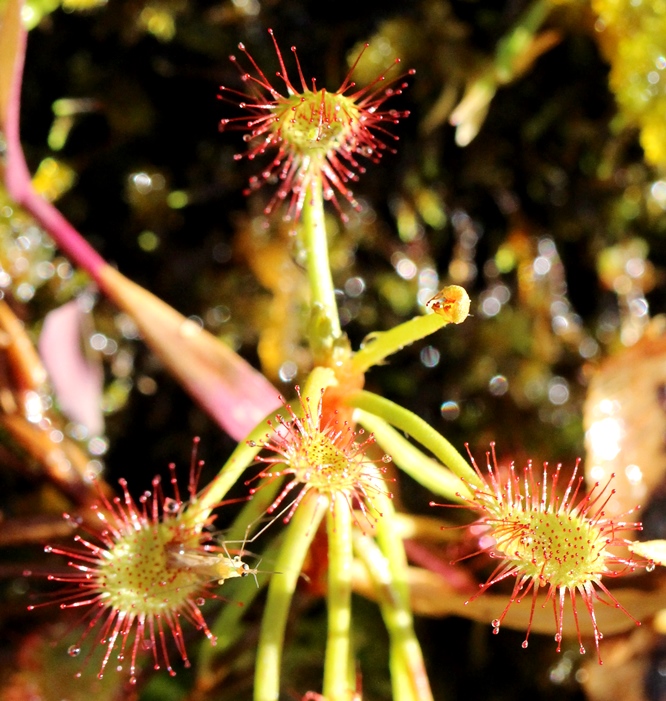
pixel 552 217
pixel 633 36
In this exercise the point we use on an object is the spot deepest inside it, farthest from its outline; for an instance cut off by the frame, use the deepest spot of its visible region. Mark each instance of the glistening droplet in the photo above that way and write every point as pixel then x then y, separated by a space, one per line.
pixel 171 506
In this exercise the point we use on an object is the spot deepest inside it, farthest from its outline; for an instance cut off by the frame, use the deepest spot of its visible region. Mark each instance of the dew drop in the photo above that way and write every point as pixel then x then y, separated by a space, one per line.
pixel 387 458
pixel 119 668
pixel 170 506
pixel 524 644
pixel 495 631
pixel 132 680
pixel 370 338
pixel 73 650
pixel 47 548
pixel 650 567
pixel 496 623
pixel 582 650
pixel 200 601
pixel 77 675
pixel 558 637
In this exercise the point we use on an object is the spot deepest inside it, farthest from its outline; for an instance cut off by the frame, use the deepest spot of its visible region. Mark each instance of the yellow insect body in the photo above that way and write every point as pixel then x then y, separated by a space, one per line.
pixel 215 565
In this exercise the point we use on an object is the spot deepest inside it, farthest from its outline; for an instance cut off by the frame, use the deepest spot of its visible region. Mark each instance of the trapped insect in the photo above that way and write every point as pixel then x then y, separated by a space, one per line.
pixel 215 565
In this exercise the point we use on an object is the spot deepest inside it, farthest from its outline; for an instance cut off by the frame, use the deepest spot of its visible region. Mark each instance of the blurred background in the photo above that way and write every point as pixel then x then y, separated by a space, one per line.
pixel 531 171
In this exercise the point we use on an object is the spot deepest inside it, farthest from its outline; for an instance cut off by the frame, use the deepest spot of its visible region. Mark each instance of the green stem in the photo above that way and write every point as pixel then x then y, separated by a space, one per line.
pixel 411 460
pixel 298 537
pixel 380 575
pixel 252 515
pixel 228 627
pixel 247 450
pixel 240 592
pixel 338 645
pixel 419 429
pixel 384 343
pixel 326 322
pixel 408 674
pixel 318 380
pixel 238 462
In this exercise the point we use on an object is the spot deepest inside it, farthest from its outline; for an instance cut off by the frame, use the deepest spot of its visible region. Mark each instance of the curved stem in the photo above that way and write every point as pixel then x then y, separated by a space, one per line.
pixel 326 322
pixel 338 645
pixel 419 429
pixel 410 459
pixel 228 626
pixel 384 343
pixel 16 174
pixel 238 462
pixel 318 380
pixel 380 575
pixel 247 450
pixel 298 538
pixel 252 515
pixel 408 673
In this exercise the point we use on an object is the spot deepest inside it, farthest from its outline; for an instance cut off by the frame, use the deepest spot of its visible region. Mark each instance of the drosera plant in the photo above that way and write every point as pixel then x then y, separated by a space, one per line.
pixel 314 139
pixel 546 539
pixel 153 563
pixel 311 133
pixel 314 136
pixel 327 456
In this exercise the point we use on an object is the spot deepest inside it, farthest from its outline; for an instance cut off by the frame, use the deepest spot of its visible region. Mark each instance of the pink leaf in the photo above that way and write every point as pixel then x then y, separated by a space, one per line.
pixel 76 377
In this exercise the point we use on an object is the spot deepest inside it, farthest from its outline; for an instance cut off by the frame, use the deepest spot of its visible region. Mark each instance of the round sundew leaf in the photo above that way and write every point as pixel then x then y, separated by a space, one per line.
pixel 557 547
pixel 151 567
pixel 312 134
